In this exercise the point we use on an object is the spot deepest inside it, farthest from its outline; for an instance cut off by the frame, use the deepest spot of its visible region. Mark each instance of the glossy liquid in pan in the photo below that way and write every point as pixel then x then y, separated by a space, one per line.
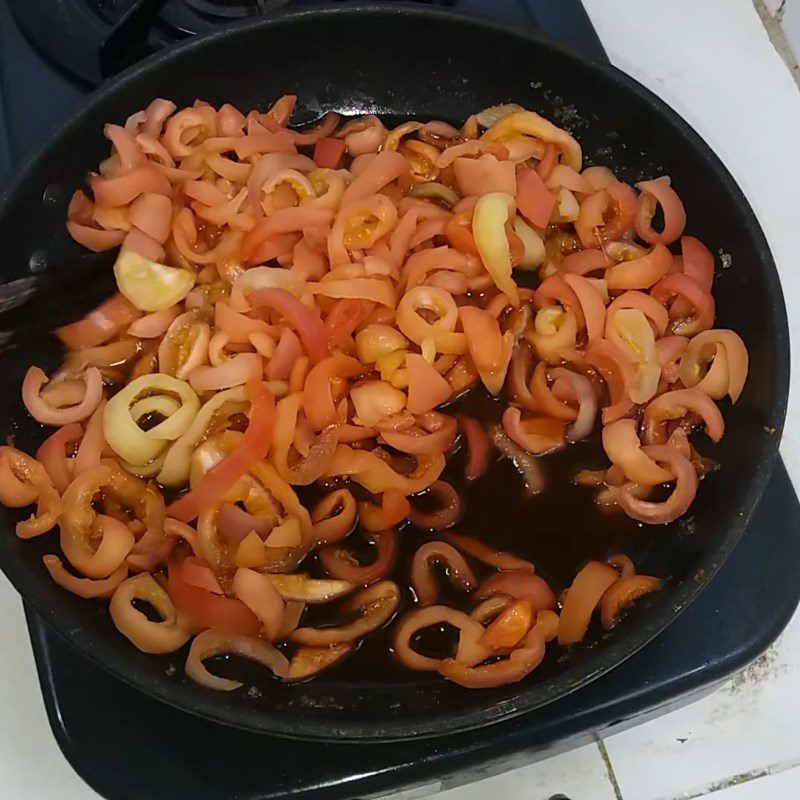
pixel 558 530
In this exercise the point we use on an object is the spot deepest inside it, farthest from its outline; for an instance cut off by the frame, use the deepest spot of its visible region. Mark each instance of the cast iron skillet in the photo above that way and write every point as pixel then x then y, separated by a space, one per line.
pixel 429 64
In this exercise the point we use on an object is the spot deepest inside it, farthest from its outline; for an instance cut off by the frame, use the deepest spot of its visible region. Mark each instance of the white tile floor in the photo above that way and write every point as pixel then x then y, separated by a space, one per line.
pixel 778 786
pixel 578 774
pixel 26 742
pixel 751 726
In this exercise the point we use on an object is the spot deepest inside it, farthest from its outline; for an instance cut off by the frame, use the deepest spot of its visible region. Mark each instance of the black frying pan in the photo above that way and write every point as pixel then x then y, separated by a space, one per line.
pixel 429 64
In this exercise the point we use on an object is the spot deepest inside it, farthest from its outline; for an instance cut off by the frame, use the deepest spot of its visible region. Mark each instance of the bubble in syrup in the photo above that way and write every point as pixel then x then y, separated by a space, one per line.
pixel 37 263
pixel 52 195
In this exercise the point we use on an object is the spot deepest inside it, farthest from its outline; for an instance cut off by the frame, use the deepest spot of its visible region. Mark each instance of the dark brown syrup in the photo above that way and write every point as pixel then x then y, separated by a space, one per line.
pixel 558 530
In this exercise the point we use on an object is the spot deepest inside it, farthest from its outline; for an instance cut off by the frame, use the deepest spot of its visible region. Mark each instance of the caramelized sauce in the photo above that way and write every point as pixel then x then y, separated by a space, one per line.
pixel 558 530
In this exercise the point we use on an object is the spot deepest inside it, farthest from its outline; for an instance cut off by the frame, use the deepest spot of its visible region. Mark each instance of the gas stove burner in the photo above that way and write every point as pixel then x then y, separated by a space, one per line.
pixel 94 39
pixel 235 9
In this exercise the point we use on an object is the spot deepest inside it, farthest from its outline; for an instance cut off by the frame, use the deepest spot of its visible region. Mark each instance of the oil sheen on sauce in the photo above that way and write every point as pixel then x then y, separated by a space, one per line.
pixel 559 530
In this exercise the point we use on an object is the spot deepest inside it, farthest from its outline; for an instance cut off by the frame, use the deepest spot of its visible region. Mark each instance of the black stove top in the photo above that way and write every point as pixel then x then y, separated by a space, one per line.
pixel 108 730
pixel 93 39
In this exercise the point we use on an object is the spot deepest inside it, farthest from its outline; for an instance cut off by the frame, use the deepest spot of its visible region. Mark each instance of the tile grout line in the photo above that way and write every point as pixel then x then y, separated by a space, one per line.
pixel 612 778
pixel 777 38
pixel 727 783
pixel 735 780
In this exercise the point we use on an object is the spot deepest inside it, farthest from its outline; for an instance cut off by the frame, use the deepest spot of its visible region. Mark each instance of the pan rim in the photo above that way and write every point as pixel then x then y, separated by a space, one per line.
pixel 261 720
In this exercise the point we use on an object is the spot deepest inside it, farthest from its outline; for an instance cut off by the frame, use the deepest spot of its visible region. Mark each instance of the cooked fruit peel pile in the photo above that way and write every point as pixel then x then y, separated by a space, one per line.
pixel 298 309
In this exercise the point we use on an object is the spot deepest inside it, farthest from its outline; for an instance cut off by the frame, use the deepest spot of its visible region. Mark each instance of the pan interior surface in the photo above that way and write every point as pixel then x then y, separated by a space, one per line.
pixel 422 64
